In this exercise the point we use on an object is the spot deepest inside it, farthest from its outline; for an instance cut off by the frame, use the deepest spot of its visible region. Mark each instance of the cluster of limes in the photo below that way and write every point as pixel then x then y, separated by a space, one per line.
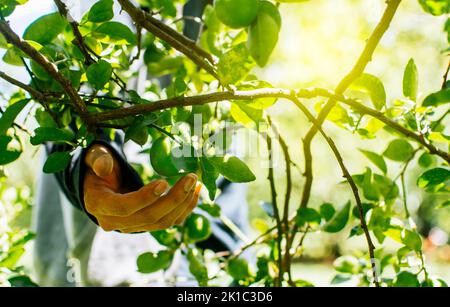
pixel 262 19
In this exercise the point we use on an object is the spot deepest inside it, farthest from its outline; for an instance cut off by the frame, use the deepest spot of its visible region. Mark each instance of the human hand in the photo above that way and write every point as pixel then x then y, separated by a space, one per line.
pixel 115 207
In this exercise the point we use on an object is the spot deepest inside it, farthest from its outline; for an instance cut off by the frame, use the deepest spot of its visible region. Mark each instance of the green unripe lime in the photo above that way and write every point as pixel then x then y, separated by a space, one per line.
pixel 198 228
pixel 269 8
pixel 236 13
pixel 161 159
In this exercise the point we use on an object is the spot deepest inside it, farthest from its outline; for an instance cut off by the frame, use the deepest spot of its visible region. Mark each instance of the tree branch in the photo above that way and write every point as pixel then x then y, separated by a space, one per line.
pixel 33 92
pixel 263 93
pixel 351 182
pixel 357 70
pixel 48 66
pixel 178 41
pixel 276 212
pixel 79 40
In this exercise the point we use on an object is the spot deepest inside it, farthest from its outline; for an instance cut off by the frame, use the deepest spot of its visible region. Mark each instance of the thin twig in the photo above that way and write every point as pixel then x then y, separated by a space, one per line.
pixel 357 70
pixel 49 67
pixel 264 93
pixel 178 41
pixel 276 211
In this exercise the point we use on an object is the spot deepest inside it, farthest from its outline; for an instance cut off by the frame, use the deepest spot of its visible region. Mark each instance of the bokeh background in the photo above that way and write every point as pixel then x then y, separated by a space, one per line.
pixel 320 41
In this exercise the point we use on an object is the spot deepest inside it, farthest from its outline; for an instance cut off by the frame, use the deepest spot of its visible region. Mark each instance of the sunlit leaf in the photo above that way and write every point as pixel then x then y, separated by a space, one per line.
pixel 436 179
pixel 232 168
pixel 373 86
pixel 410 80
pixel 154 262
pixel 45 29
pixel 399 150
pixel 376 159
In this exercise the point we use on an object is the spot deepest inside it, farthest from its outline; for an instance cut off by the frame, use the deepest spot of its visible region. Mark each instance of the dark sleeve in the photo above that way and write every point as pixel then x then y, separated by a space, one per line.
pixel 71 179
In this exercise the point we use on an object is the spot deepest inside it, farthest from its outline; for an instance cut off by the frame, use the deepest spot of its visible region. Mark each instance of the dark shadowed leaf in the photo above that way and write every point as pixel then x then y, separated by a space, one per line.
pixel 338 222
pixel 10 114
pixel 8 153
pixel 57 162
pixel 435 179
pixel 98 74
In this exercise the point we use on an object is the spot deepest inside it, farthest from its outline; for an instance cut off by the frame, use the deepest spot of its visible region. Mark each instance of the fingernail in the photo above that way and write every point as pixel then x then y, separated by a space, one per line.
pixel 159 189
pixel 191 180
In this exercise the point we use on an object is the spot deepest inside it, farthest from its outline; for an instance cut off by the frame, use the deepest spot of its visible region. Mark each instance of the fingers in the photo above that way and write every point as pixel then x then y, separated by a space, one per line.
pixel 175 217
pixel 104 201
pixel 179 197
pixel 100 160
pixel 191 206
pixel 166 221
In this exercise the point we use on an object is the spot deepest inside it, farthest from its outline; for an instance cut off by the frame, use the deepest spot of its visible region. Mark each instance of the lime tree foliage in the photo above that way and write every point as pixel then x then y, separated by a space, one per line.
pixel 13 202
pixel 80 75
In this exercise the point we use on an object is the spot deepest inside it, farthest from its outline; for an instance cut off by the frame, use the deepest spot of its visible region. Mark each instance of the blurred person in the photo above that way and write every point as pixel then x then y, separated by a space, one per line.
pixel 101 188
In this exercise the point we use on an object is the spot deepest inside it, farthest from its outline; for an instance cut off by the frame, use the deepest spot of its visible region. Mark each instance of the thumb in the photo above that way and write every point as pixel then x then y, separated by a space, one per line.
pixel 100 160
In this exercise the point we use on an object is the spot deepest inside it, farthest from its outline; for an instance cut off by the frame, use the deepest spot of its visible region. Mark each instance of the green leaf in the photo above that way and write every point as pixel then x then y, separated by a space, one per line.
pixel 445 204
pixel 262 37
pixel 8 153
pixel 373 86
pixel 245 114
pixel 347 264
pixel 327 211
pixel 270 9
pixel 101 11
pixel 209 177
pixel 99 74
pixel 21 281
pixel 57 162
pixel 137 131
pixel 239 269
pixel 435 179
pixel 232 168
pixel 47 134
pixel 435 7
pixel 338 222
pixel 10 114
pixel 307 215
pixel 197 228
pixel 386 187
pixel 376 159
pixel 45 29
pixel 426 160
pixel 399 150
pixel 197 267
pixel 234 65
pixel 12 57
pixel 410 80
pixel 44 119
pixel 154 262
pixel 437 98
pixel 212 209
pixel 340 278
pixel 412 240
pixel 166 237
pixel 116 33
pixel 406 279
pixel 369 188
